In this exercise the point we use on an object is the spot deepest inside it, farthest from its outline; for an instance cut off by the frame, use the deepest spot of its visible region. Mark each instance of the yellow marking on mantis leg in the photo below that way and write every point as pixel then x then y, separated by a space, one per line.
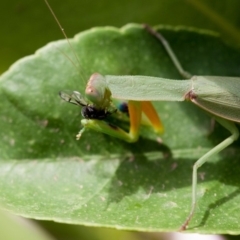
pixel 152 115
pixel 135 115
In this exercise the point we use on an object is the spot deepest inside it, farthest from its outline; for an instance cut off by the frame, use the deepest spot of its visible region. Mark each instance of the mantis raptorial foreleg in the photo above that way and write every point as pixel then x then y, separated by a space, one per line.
pixel 149 110
pixel 135 110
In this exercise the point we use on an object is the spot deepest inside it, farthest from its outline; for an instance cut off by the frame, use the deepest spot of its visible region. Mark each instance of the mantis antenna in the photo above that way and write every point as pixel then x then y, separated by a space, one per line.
pixel 66 37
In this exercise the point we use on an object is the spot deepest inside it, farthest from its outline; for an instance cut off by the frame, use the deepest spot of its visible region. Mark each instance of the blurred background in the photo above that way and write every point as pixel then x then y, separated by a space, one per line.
pixel 27 25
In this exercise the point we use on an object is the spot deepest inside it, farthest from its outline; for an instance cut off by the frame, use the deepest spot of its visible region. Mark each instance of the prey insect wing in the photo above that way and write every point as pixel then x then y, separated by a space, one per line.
pixel 73 97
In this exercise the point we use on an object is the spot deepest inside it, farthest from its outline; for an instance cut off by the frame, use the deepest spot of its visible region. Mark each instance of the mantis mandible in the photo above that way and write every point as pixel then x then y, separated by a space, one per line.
pixel 219 96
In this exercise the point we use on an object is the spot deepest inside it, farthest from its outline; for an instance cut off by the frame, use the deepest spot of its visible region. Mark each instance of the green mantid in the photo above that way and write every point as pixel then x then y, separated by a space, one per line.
pixel 217 95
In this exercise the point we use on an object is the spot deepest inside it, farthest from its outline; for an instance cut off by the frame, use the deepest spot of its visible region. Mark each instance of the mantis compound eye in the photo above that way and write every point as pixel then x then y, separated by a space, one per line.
pixel 95 86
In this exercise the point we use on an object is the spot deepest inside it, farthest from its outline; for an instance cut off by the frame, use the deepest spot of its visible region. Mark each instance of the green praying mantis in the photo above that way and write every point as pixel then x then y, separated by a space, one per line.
pixel 217 95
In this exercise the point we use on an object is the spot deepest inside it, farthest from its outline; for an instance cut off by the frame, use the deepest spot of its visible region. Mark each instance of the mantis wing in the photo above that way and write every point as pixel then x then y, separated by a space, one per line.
pixel 218 95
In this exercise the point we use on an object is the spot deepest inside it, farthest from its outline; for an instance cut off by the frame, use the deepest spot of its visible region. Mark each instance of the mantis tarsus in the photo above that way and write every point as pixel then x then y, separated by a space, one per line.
pixel 217 95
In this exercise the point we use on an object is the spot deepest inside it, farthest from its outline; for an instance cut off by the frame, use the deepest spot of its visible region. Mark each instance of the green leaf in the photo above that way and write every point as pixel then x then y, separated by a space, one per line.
pixel 102 181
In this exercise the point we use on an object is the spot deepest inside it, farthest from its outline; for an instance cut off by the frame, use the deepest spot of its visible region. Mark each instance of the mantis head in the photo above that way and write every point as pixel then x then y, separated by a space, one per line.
pixel 98 92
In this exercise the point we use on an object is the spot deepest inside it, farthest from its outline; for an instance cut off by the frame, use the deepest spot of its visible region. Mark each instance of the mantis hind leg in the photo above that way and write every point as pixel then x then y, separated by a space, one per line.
pixel 135 110
pixel 234 136
pixel 169 50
